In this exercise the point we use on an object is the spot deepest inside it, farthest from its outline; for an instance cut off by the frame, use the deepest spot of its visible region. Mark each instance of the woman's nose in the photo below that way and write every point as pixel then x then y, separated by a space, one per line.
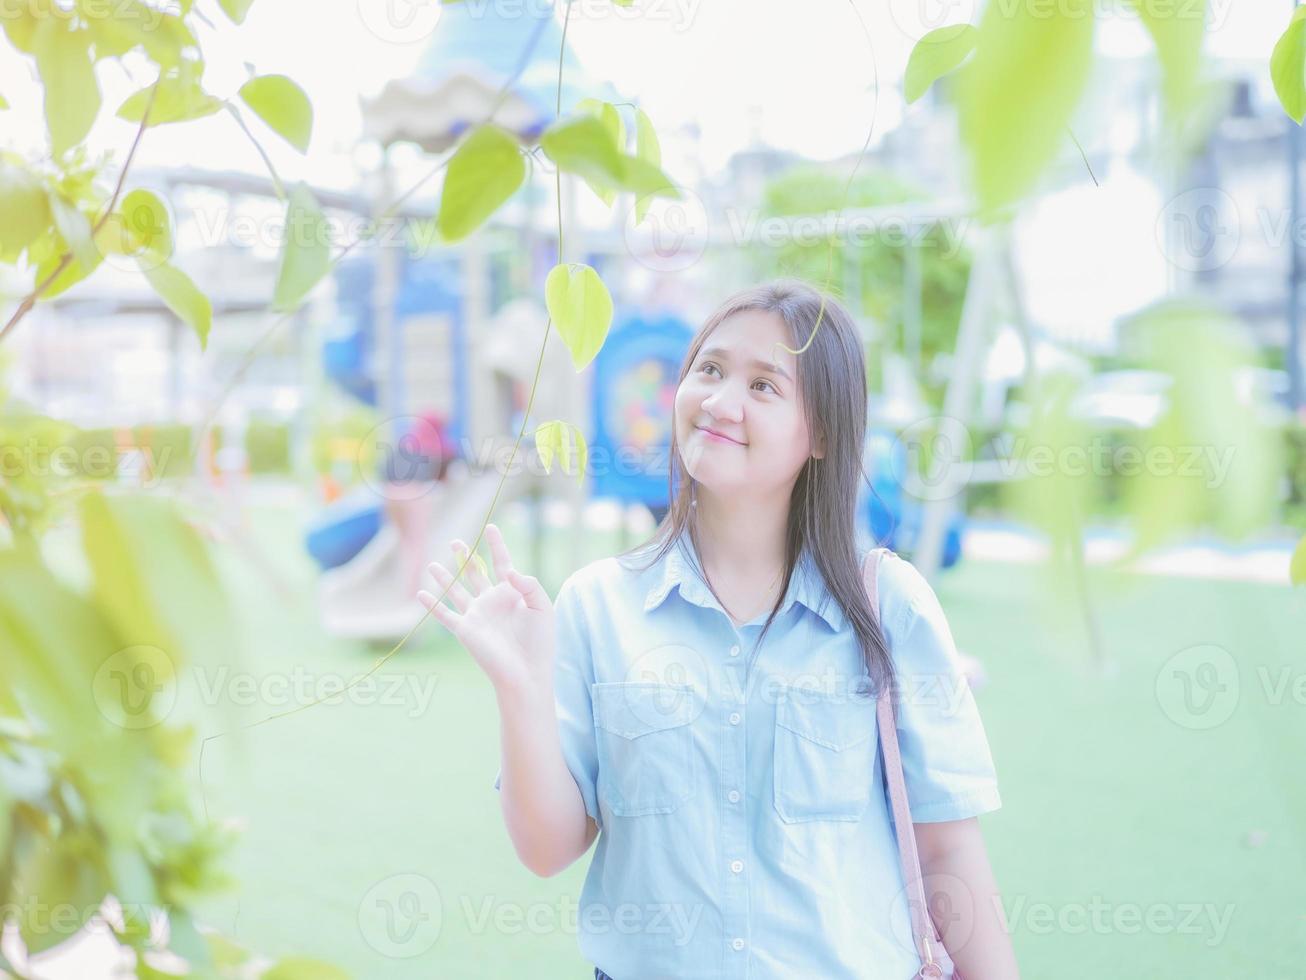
pixel 724 403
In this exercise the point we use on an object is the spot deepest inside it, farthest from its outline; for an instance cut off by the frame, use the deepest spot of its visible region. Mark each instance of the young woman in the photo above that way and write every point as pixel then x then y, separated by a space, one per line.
pixel 708 712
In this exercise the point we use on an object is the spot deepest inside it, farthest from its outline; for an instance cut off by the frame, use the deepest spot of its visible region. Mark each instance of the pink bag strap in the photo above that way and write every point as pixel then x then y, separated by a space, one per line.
pixel 922 926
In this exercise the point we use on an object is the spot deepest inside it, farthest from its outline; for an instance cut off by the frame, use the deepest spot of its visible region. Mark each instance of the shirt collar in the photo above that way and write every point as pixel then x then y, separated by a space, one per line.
pixel 677 569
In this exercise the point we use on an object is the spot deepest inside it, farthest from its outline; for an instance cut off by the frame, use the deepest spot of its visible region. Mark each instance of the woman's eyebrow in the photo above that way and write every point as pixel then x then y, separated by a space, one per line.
pixel 756 362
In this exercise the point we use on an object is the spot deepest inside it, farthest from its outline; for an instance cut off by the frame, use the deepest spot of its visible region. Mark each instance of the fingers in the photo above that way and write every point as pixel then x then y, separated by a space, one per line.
pixel 456 593
pixel 498 552
pixel 531 591
pixel 446 616
pixel 471 573
pixel 529 586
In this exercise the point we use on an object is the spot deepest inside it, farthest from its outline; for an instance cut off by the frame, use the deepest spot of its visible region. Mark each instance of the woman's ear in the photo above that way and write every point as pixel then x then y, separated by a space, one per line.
pixel 819 451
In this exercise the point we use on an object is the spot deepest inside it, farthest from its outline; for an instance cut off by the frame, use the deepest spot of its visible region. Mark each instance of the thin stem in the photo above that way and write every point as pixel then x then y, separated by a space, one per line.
pixel 267 161
pixel 829 255
pixel 29 301
pixel 246 361
pixel 471 549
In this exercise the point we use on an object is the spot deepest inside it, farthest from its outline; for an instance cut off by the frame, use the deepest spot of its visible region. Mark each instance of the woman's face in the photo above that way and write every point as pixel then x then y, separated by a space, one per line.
pixel 745 387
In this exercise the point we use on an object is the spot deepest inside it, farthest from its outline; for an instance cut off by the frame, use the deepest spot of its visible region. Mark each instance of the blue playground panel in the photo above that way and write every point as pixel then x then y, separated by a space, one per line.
pixel 429 284
pixel 895 518
pixel 635 377
pixel 341 531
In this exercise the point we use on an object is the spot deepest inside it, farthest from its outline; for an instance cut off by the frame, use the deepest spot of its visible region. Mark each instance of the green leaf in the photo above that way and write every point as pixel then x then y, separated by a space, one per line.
pixel 306 254
pixel 70 276
pixel 566 441
pixel 182 296
pixel 180 99
pixel 75 227
pixel 935 55
pixel 607 114
pixel 583 145
pixel 581 309
pixel 4 103
pixel 55 642
pixel 1016 96
pixel 303 968
pixel 236 9
pixel 648 149
pixel 163 35
pixel 1177 29
pixel 1288 67
pixel 225 954
pixel 20 22
pixel 1217 460
pixel 147 225
pixel 67 877
pixel 186 941
pixel 476 560
pixel 1297 567
pixel 154 577
pixel 24 210
pixel 484 172
pixel 72 94
pixel 281 104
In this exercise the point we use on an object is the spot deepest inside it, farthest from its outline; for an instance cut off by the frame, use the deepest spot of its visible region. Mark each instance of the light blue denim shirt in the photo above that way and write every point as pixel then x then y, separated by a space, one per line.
pixel 745 830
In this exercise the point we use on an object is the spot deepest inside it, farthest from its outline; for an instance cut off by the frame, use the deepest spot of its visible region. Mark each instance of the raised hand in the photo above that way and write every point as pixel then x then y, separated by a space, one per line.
pixel 507 626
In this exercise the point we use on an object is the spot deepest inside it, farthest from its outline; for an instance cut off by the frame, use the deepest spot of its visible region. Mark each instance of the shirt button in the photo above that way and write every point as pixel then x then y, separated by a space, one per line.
pixel 733 796
pixel 736 866
pixel 734 717
pixel 734 651
pixel 738 944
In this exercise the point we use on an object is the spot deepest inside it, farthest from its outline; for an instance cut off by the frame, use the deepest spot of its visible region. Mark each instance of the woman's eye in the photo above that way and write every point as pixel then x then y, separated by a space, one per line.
pixel 709 364
pixel 769 385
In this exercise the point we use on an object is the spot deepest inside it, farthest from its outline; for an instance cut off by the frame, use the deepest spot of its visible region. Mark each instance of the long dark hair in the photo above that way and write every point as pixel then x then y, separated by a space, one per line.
pixel 832 377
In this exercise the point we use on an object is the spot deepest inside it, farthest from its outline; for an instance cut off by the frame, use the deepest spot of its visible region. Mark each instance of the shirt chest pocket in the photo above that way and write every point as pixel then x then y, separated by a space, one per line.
pixel 825 754
pixel 645 747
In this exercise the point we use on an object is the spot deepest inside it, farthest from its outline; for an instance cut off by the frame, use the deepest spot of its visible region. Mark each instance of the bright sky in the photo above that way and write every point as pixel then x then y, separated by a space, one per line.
pixel 802 74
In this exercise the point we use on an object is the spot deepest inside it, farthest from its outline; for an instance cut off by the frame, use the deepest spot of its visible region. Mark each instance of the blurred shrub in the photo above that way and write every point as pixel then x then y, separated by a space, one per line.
pixel 1294 435
pixel 267 446
pixel 167 448
pixel 344 439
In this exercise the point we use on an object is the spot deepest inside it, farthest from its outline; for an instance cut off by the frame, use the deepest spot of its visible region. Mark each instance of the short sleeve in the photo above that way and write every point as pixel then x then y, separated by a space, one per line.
pixel 946 761
pixel 573 674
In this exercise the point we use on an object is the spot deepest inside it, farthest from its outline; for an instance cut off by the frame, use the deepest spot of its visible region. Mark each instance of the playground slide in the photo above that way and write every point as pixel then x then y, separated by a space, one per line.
pixel 372 596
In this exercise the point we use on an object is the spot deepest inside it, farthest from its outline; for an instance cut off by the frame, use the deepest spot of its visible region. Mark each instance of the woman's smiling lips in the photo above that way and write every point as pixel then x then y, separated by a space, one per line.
pixel 714 436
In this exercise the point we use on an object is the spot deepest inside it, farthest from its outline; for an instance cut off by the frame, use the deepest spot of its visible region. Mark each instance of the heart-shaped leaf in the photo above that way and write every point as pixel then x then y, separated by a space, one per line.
pixel 75 227
pixel 1016 95
pixel 581 309
pixel 1288 67
pixel 484 172
pixel 1177 30
pixel 72 94
pixel 182 296
pixel 306 254
pixel 24 210
pixel 564 440
pixel 147 225
pixel 937 53
pixel 648 149
pixel 282 104
pixel 236 9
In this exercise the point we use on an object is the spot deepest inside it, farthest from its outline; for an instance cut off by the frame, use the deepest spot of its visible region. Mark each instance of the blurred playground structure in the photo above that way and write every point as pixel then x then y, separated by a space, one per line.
pixel 400 389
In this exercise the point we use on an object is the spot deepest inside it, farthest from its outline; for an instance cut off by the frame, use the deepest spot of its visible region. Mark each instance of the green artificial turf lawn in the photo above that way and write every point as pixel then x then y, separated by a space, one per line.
pixel 1114 815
